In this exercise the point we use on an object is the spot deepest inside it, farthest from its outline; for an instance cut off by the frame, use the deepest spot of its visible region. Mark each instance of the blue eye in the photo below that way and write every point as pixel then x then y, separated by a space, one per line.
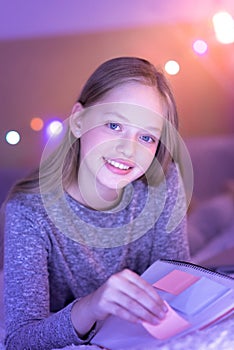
pixel 148 139
pixel 114 126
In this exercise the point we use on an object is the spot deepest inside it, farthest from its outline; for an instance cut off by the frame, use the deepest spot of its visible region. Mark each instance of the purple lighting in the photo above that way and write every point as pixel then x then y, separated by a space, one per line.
pixel 200 47
pixel 54 128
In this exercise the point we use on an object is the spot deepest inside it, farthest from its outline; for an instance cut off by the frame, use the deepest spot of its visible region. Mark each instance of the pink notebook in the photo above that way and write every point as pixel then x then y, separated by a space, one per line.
pixel 170 326
pixel 176 282
pixel 196 298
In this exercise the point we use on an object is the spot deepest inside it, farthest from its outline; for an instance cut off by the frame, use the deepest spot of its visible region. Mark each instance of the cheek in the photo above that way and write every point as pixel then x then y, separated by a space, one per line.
pixel 146 156
pixel 149 151
pixel 90 140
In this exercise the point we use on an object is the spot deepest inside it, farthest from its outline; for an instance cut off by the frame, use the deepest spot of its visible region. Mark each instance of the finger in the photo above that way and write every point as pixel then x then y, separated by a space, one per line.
pixel 145 287
pixel 123 306
pixel 143 304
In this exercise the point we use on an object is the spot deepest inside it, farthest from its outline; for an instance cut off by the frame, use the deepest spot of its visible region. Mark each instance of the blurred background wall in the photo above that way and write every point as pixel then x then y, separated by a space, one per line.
pixel 49 48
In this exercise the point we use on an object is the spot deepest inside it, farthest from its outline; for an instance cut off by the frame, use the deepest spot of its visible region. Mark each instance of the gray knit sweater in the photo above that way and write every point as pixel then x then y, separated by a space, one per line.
pixel 46 270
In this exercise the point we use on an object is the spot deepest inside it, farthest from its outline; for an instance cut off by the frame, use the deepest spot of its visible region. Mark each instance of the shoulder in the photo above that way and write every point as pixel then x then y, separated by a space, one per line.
pixel 26 223
pixel 27 200
pixel 24 204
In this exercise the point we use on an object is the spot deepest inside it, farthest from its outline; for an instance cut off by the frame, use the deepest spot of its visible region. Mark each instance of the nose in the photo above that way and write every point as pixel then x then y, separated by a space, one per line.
pixel 126 147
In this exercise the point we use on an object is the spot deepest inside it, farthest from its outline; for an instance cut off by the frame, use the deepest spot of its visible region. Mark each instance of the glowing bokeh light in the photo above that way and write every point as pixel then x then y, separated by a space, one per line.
pixel 54 128
pixel 224 27
pixel 36 124
pixel 12 137
pixel 200 47
pixel 172 67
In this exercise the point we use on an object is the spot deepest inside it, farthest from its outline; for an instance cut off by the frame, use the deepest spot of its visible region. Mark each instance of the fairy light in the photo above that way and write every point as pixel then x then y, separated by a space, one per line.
pixel 200 46
pixel 54 128
pixel 224 27
pixel 172 67
pixel 36 124
pixel 12 137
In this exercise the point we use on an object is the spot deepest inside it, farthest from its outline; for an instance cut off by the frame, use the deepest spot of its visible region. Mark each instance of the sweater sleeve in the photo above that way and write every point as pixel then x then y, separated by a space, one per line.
pixel 29 323
pixel 171 228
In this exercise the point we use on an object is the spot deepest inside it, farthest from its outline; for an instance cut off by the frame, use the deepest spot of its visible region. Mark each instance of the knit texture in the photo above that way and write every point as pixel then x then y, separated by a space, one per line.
pixel 46 270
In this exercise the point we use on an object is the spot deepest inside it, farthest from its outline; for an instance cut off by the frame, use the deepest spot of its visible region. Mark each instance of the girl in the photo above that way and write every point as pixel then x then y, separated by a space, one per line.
pixel 80 230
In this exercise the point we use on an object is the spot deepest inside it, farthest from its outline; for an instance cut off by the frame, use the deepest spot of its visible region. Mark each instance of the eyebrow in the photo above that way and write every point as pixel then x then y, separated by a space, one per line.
pixel 120 116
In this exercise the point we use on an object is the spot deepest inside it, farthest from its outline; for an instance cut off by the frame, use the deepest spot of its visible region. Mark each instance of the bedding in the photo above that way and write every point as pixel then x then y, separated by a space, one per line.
pixel 219 336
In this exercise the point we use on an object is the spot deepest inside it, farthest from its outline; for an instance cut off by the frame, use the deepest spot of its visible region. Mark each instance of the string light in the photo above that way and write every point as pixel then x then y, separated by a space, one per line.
pixel 172 67
pixel 224 27
pixel 200 46
pixel 12 137
pixel 54 128
pixel 36 124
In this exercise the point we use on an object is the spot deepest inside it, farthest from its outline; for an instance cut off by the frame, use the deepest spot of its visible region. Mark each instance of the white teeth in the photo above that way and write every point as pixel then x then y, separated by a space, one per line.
pixel 118 165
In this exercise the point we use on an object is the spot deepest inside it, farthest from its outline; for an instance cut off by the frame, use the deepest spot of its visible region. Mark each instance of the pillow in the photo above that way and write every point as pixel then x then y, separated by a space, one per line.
pixel 209 219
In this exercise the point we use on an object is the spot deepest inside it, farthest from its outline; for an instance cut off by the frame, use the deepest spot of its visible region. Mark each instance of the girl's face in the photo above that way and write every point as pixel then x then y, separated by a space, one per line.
pixel 119 137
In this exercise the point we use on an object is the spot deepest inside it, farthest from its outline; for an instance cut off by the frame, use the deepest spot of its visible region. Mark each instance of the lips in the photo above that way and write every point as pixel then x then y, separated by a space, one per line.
pixel 119 164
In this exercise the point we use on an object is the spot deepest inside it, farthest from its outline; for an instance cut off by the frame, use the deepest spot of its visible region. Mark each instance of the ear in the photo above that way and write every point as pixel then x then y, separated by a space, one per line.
pixel 75 120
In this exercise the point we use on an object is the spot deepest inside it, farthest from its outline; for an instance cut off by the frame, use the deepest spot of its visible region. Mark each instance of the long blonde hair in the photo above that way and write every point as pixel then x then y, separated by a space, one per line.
pixel 62 164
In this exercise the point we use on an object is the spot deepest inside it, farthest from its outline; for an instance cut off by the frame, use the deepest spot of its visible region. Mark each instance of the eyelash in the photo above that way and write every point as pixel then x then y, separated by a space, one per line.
pixel 112 125
pixel 149 137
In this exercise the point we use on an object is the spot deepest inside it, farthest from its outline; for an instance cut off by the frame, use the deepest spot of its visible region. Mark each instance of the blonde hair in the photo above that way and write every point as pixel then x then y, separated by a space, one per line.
pixel 62 165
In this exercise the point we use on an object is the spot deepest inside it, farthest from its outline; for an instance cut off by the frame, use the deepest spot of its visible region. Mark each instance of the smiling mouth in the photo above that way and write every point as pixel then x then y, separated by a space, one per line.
pixel 118 165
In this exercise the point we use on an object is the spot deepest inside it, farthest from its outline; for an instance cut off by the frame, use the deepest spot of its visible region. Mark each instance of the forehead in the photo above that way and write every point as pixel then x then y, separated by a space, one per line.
pixel 126 113
pixel 136 93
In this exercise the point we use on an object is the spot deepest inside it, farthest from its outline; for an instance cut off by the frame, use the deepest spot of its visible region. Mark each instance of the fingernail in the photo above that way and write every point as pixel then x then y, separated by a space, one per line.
pixel 165 308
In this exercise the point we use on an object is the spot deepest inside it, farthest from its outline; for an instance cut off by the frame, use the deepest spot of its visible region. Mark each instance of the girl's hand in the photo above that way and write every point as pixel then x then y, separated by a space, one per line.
pixel 124 294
